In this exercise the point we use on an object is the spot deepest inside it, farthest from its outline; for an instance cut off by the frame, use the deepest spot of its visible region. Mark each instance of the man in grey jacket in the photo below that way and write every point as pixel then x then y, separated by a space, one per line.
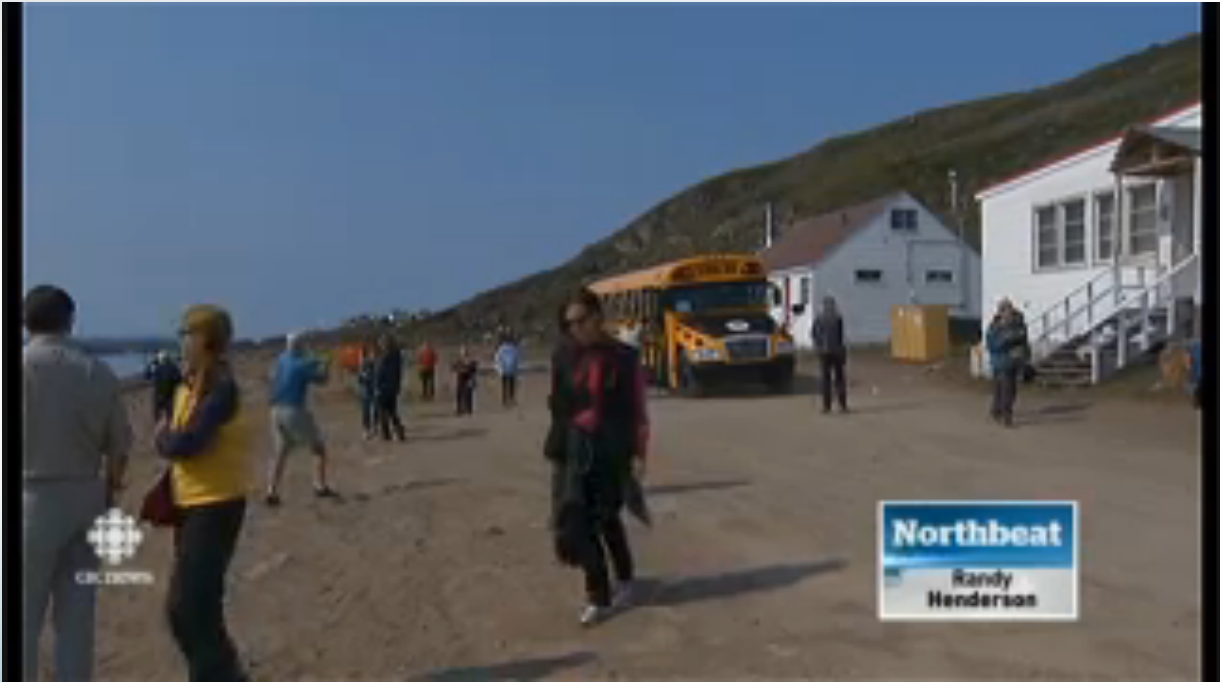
pixel 831 346
pixel 74 458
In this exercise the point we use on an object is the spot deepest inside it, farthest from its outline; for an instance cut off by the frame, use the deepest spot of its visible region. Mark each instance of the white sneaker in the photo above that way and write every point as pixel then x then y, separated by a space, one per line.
pixel 592 615
pixel 624 594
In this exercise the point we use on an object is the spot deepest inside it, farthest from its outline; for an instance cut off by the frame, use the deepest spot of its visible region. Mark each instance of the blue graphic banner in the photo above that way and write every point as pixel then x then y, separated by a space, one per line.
pixel 1002 535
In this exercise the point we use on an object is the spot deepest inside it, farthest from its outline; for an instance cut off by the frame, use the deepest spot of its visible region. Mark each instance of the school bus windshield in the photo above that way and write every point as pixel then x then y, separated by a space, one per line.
pixel 705 298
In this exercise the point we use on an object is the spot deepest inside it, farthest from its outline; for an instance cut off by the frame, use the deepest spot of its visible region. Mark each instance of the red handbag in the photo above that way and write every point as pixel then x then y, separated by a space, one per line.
pixel 158 507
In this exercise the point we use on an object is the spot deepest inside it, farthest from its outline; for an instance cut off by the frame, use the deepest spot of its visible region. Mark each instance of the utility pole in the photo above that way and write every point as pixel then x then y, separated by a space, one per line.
pixel 769 227
pixel 964 260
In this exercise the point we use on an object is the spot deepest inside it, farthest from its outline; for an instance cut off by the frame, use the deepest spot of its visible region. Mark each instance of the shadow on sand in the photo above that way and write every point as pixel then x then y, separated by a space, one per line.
pixel 524 671
pixel 725 585
pixel 679 488
pixel 442 436
pixel 401 488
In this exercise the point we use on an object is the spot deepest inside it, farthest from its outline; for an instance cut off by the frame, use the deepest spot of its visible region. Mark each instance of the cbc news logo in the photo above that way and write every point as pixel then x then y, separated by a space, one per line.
pixel 115 537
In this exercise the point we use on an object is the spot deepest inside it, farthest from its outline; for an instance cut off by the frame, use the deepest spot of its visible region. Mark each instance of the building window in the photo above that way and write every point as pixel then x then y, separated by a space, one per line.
pixel 904 220
pixel 1141 217
pixel 938 277
pixel 1060 237
pixel 1075 243
pixel 1103 212
pixel 868 276
pixel 1047 237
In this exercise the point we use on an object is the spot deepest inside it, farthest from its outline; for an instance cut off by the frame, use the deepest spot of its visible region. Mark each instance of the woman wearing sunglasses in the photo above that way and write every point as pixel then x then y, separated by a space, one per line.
pixel 598 388
pixel 208 445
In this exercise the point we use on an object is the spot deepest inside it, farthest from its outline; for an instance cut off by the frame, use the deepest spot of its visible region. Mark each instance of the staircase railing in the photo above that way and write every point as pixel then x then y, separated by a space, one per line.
pixel 1161 293
pixel 1092 301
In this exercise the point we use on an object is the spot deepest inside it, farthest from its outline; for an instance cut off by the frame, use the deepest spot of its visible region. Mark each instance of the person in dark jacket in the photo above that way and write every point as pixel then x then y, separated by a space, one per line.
pixel 831 345
pixel 1008 347
pixel 465 373
pixel 387 381
pixel 598 390
pixel 165 377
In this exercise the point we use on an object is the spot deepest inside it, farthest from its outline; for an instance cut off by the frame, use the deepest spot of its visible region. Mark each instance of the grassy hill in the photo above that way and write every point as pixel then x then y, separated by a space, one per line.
pixel 984 141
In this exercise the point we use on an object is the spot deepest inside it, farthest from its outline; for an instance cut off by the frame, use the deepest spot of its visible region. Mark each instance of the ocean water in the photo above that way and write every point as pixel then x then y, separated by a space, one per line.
pixel 127 365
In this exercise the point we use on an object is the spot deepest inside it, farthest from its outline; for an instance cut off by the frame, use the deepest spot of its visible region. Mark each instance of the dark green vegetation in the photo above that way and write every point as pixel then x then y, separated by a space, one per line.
pixel 983 141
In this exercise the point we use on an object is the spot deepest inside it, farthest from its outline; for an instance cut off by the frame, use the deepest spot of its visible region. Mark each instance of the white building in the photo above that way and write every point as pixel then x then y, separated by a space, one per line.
pixel 1114 227
pixel 871 257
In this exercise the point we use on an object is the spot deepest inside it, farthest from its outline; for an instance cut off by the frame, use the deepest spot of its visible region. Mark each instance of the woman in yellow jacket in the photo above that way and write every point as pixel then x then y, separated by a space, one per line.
pixel 208 445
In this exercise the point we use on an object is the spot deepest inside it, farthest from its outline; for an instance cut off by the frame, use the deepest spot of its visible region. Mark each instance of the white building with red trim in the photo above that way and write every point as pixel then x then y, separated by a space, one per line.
pixel 1101 249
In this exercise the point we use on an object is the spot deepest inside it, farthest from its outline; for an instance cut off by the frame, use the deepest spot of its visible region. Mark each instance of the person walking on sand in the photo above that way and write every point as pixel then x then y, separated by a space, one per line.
pixel 603 445
pixel 165 377
pixel 73 463
pixel 365 380
pixel 292 422
pixel 508 361
pixel 208 445
pixel 1008 346
pixel 388 381
pixel 426 359
pixel 465 371
pixel 831 345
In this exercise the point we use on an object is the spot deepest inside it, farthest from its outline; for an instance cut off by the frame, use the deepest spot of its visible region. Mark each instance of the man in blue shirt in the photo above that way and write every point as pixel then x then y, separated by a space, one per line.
pixel 508 362
pixel 292 423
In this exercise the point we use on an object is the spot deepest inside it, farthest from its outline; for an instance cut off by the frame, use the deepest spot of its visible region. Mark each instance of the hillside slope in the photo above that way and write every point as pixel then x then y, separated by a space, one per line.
pixel 984 141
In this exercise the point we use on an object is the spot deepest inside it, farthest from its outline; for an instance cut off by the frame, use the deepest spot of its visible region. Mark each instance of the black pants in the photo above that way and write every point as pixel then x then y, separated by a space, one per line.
pixel 387 417
pixel 204 546
pixel 1004 394
pixel 608 536
pixel 427 383
pixel 834 379
pixel 163 408
pixel 465 396
pixel 508 389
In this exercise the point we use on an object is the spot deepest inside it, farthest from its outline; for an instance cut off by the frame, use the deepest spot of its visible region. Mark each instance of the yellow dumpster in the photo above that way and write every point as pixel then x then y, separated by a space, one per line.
pixel 920 333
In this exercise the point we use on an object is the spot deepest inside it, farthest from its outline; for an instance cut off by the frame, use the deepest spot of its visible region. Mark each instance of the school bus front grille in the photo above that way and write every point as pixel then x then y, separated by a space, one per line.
pixel 753 348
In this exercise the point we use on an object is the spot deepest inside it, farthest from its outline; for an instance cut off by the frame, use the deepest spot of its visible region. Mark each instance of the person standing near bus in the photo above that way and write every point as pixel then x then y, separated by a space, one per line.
pixel 73 463
pixel 831 345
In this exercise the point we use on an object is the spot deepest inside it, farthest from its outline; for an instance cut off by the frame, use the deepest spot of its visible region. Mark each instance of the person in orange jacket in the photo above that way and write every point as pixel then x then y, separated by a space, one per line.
pixel 426 360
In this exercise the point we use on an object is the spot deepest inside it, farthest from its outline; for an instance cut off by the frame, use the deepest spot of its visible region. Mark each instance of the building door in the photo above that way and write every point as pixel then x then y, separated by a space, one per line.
pixel 1182 221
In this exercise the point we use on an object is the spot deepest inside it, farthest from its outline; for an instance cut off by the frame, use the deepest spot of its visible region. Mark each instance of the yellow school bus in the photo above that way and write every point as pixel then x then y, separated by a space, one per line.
pixel 701 321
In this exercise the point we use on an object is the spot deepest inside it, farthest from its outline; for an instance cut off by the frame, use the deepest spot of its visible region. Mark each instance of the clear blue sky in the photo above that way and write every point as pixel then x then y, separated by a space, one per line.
pixel 303 163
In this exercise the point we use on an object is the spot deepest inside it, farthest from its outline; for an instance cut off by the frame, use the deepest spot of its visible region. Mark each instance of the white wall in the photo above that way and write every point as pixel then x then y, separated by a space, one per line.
pixel 903 259
pixel 798 324
pixel 1008 228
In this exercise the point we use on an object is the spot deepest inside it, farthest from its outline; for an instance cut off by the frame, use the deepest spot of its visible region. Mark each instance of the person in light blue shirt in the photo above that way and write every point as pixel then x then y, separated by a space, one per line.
pixel 508 363
pixel 292 423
